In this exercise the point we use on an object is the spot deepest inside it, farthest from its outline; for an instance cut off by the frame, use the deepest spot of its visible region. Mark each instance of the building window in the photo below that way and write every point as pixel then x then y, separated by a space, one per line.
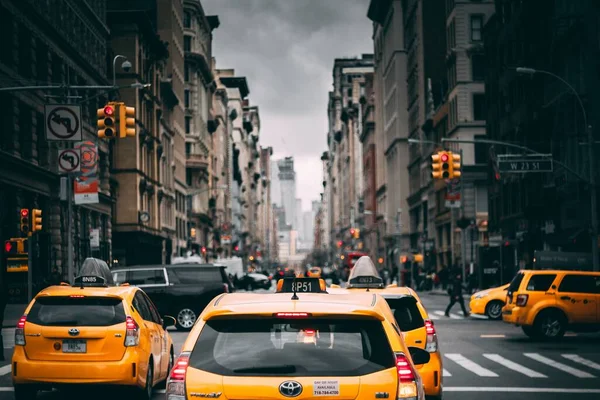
pixel 187 43
pixel 452 78
pixel 478 67
pixel 188 149
pixel 187 98
pixel 451 35
pixel 186 73
pixel 187 19
pixel 476 28
pixel 479 107
pixel 188 125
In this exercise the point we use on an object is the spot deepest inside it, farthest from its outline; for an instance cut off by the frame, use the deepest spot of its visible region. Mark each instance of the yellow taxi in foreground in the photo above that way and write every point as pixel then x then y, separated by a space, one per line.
pixel 489 302
pixel 410 315
pixel 91 333
pixel 547 303
pixel 300 342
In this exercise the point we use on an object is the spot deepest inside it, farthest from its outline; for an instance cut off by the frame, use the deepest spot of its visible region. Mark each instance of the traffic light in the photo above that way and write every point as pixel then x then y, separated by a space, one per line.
pixel 24 220
pixel 356 233
pixel 203 250
pixel 107 124
pixel 455 166
pixel 126 121
pixel 11 247
pixel 445 160
pixel 193 233
pixel 352 231
pixel 36 220
pixel 436 166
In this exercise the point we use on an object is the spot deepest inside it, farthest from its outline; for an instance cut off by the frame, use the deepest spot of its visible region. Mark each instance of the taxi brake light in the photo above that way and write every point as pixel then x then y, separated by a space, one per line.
pixel 522 300
pixel 20 331
pixel 292 315
pixel 132 332
pixel 309 331
pixel 431 345
pixel 429 328
pixel 77 296
pixel 180 368
pixel 405 372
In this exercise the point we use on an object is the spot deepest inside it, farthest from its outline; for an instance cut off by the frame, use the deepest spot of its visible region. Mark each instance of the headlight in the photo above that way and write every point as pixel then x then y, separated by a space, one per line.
pixel 480 295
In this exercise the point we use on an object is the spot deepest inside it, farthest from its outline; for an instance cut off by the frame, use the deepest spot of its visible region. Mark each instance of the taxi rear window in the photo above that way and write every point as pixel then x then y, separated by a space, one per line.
pixel 516 282
pixel 284 347
pixel 407 313
pixel 76 311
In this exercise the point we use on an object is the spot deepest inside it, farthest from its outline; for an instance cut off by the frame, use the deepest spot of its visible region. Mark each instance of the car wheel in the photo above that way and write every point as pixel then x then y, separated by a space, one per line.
pixel 550 325
pixel 146 392
pixel 25 392
pixel 494 310
pixel 186 318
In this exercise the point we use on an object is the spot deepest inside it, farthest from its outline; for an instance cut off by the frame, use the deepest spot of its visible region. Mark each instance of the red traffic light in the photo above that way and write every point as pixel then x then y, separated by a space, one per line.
pixel 352 231
pixel 236 248
pixel 444 157
pixel 8 247
pixel 204 249
pixel 108 110
pixel 24 212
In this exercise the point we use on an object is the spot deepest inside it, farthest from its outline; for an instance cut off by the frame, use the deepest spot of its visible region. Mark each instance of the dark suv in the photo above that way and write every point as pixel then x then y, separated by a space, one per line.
pixel 180 290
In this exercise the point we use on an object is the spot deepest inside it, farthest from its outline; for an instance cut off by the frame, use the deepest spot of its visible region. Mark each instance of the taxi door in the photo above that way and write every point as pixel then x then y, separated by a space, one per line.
pixel 577 293
pixel 144 307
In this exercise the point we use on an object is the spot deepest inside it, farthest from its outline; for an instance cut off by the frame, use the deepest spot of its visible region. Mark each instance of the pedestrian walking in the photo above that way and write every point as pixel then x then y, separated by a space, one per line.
pixel 456 294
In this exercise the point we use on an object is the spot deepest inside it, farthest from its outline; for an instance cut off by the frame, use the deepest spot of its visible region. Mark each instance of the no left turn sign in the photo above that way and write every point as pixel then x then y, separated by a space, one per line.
pixel 69 161
pixel 63 122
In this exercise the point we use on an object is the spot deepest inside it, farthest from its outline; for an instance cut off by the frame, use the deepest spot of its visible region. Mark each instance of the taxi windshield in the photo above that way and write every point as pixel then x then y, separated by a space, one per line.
pixel 305 347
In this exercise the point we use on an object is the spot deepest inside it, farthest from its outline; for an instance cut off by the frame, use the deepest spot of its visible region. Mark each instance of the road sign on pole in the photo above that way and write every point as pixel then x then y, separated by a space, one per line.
pixel 69 161
pixel 509 163
pixel 63 122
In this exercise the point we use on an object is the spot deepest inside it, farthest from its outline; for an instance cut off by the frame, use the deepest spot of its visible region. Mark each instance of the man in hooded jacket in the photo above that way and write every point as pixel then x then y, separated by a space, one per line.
pixel 456 294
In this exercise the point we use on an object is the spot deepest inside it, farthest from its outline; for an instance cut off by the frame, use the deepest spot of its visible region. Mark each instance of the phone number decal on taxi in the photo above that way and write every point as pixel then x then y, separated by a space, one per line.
pixel 326 388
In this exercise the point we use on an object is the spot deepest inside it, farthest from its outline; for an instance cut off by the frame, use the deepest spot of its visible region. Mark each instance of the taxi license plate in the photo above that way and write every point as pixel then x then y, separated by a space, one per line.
pixel 74 346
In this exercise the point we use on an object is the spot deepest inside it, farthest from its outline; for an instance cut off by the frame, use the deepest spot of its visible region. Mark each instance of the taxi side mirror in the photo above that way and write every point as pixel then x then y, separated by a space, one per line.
pixel 419 356
pixel 168 321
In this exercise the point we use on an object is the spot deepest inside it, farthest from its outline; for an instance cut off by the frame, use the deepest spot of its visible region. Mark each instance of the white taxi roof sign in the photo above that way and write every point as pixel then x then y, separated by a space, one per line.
pixel 364 274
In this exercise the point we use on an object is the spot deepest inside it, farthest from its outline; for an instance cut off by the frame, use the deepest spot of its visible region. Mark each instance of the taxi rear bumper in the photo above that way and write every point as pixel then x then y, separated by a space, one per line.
pixel 515 316
pixel 123 372
pixel 431 375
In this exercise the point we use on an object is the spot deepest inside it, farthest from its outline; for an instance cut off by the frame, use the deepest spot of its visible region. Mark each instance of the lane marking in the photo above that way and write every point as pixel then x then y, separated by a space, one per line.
pixel 7 389
pixel 471 366
pixel 516 389
pixel 570 334
pixel 433 317
pixel 581 360
pixel 453 316
pixel 492 336
pixel 555 364
pixel 446 373
pixel 5 369
pixel 514 366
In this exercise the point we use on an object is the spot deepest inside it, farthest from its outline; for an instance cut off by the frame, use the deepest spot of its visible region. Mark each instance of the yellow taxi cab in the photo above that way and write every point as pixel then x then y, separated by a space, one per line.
pixel 300 342
pixel 411 316
pixel 547 303
pixel 313 272
pixel 489 302
pixel 91 333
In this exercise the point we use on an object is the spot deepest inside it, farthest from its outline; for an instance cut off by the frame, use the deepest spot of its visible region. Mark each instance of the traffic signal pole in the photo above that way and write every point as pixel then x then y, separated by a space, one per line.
pixel 30 248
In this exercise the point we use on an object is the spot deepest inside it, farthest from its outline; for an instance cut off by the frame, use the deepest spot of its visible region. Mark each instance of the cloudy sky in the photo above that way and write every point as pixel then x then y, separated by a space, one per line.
pixel 286 48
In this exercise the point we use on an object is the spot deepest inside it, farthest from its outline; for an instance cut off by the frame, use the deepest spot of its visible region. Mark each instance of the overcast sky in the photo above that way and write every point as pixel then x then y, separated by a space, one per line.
pixel 286 48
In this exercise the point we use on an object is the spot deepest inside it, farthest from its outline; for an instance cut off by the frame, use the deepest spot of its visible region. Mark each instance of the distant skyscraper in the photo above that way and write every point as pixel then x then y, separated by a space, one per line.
pixel 298 226
pixel 287 183
pixel 275 184
pixel 309 226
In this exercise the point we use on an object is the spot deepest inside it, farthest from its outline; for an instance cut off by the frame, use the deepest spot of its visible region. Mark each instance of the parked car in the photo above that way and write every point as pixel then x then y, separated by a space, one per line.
pixel 253 281
pixel 181 290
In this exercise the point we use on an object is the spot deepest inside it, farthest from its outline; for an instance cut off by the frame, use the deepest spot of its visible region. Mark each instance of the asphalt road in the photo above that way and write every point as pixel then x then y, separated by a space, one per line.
pixel 482 359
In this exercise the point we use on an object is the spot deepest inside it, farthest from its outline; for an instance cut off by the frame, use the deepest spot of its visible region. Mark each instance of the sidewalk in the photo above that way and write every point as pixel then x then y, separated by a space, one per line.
pixel 12 314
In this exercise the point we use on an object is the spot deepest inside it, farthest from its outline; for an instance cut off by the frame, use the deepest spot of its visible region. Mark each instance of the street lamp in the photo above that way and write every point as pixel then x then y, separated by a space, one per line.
pixel 590 137
pixel 126 67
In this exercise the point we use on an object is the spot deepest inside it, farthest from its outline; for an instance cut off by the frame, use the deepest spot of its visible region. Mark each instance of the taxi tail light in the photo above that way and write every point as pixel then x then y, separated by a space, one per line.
pixel 405 371
pixel 20 331
pixel 522 300
pixel 132 332
pixel 309 331
pixel 176 381
pixel 431 345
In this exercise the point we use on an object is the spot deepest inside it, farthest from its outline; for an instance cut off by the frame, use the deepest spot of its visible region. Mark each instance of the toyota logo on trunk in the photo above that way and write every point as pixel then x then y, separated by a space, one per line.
pixel 73 331
pixel 290 389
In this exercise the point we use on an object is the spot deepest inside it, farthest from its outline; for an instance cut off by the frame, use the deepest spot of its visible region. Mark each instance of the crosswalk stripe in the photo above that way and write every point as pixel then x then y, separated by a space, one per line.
pixel 581 360
pixel 471 366
pixel 5 370
pixel 453 316
pixel 555 364
pixel 433 317
pixel 446 373
pixel 514 366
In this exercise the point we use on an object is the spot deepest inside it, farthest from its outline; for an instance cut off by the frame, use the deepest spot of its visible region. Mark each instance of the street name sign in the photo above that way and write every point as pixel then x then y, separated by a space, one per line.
pixel 525 164
pixel 63 122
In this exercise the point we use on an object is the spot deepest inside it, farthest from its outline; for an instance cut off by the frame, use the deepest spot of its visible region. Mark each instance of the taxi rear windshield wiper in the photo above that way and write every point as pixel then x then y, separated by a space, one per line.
pixel 64 323
pixel 275 369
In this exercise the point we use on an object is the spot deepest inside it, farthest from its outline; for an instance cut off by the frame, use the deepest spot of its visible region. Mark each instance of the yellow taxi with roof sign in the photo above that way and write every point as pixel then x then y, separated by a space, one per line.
pixel 411 316
pixel 91 333
pixel 300 342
